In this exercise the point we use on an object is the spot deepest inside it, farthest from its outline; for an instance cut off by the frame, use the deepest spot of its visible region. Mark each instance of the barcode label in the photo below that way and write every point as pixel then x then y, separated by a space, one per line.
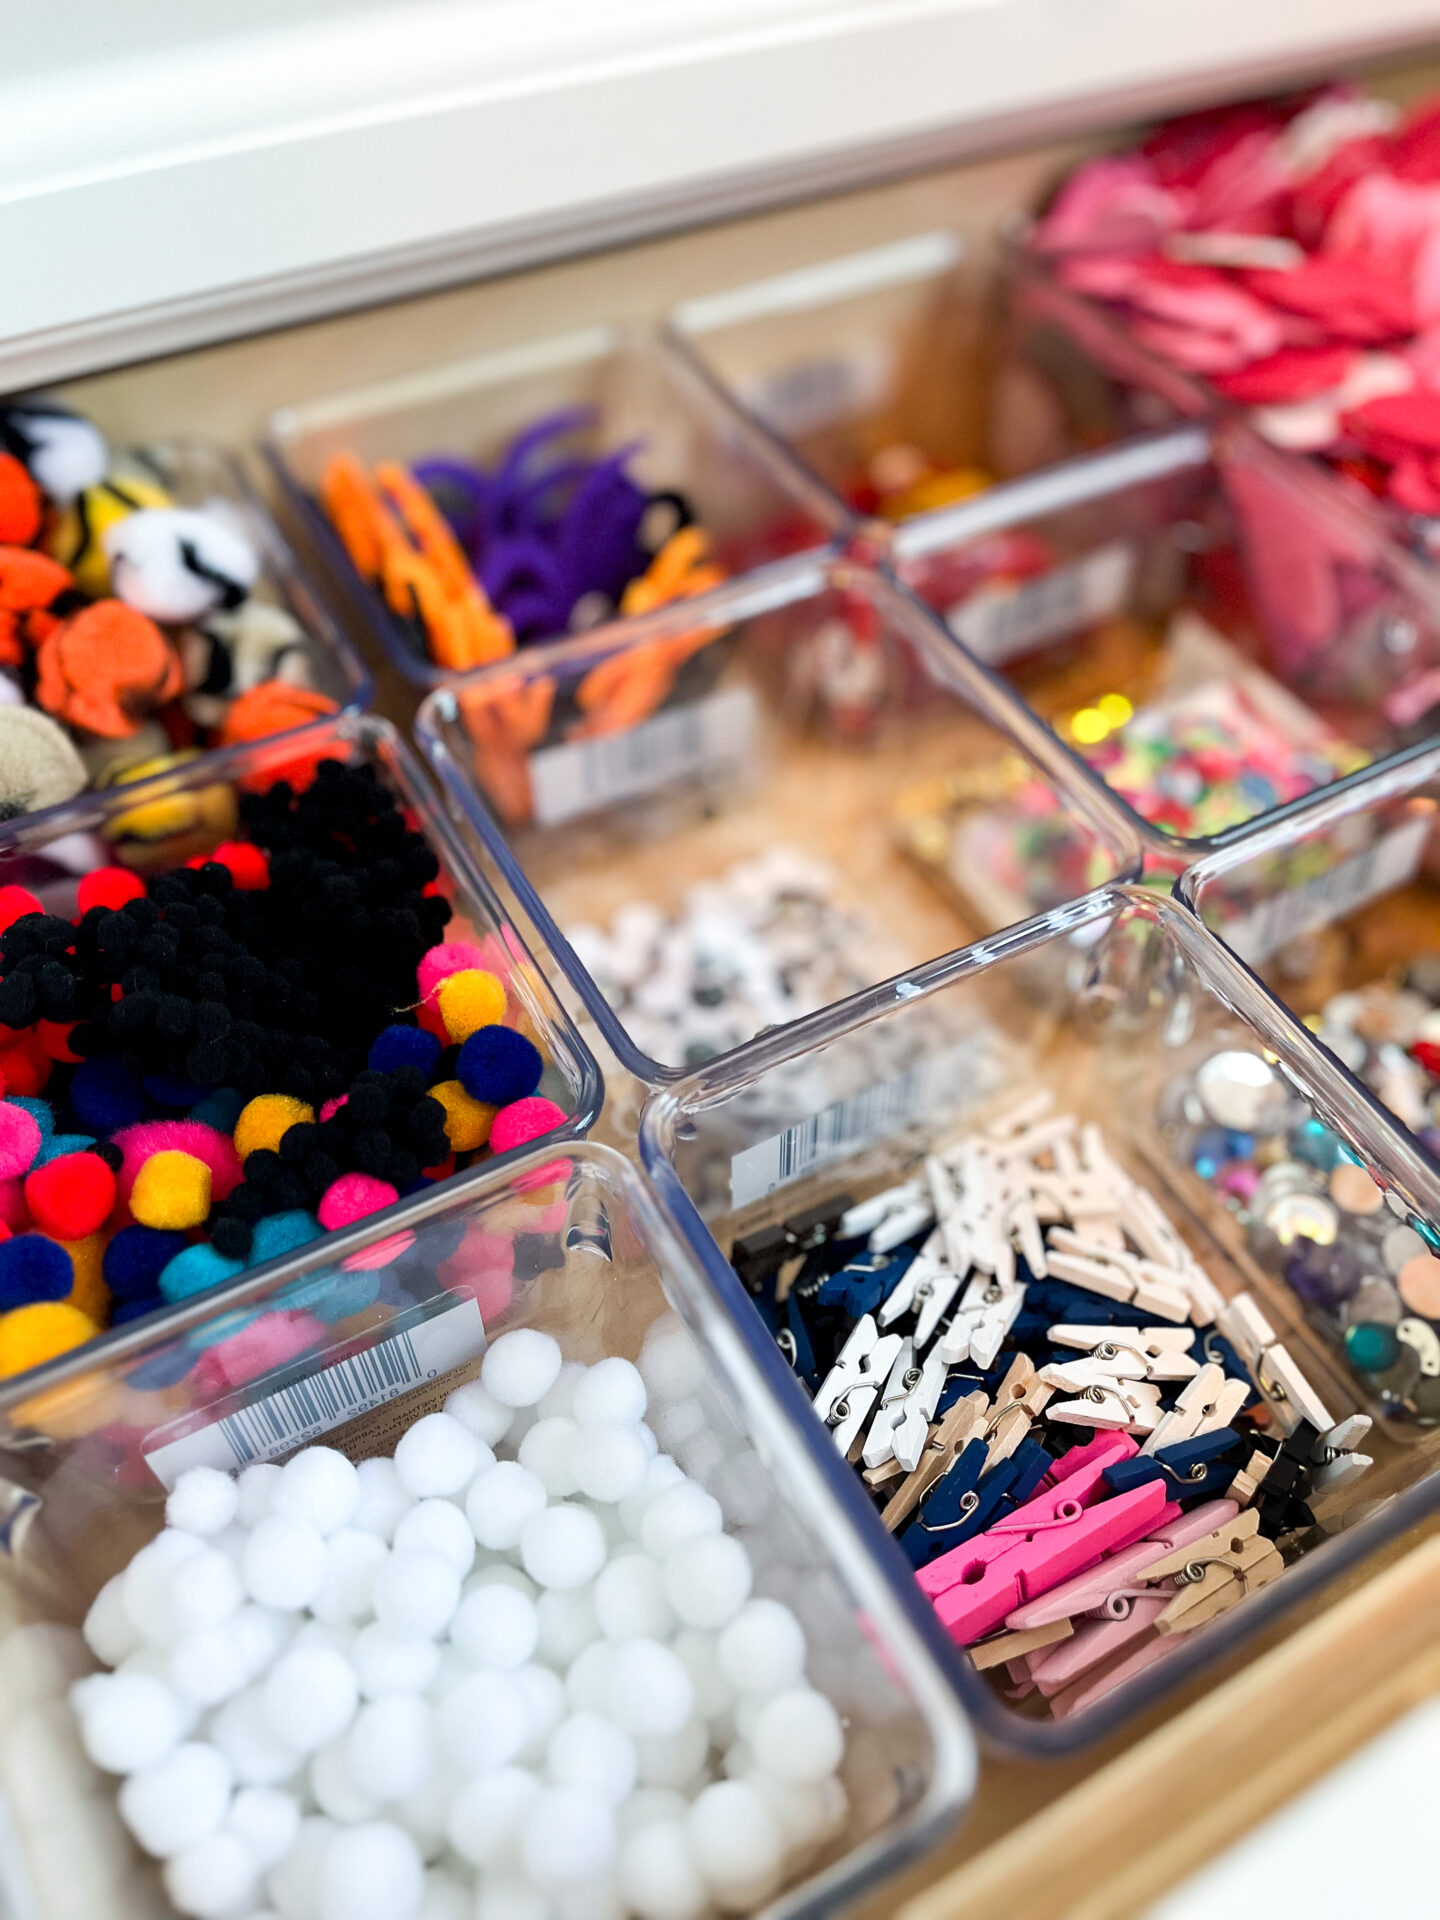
pixel 276 1422
pixel 1392 862
pixel 702 736
pixel 953 1077
pixel 811 394
pixel 1000 621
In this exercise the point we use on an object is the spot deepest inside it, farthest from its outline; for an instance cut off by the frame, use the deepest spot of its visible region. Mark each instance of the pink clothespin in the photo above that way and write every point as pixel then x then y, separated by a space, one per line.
pixel 1094 1589
pixel 1053 1536
pixel 1114 1672
pixel 1107 1449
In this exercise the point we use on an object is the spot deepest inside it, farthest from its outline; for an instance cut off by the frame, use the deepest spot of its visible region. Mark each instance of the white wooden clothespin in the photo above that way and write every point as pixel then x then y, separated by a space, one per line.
pixel 927 1287
pixel 1208 1402
pixel 1132 1406
pixel 978 1327
pixel 1337 1460
pixel 853 1385
pixel 1152 1353
pixel 1272 1366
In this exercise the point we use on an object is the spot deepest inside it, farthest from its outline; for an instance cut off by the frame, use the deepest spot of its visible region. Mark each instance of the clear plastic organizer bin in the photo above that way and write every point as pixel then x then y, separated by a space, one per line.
pixel 625 386
pixel 893 374
pixel 758 829
pixel 577 1247
pixel 197 474
pixel 754 1155
pixel 163 822
pixel 1210 634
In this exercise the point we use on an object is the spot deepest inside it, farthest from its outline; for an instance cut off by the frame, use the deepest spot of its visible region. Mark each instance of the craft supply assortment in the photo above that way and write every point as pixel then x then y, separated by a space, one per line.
pixel 149 609
pixel 949 728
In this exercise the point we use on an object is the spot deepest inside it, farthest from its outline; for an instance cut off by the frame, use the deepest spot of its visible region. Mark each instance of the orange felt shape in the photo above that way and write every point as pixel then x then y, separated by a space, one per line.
pixel 106 669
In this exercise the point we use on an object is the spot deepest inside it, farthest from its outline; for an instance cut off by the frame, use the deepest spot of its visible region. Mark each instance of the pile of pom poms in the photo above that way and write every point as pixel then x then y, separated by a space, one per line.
pixel 133 628
pixel 209 1068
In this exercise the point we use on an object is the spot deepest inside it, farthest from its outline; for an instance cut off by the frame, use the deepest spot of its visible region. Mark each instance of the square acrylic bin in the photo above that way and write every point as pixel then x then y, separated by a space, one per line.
pixel 1210 632
pixel 576 1247
pixel 901 351
pixel 807 719
pixel 197 474
pixel 833 1111
pixel 163 822
pixel 627 388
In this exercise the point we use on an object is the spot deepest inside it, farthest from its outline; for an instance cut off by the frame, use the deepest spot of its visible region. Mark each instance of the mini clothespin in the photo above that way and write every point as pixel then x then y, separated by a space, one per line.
pixel 902 1378
pixel 867 1216
pixel 853 1385
pixel 1133 1405
pixel 859 1287
pixel 986 1313
pixel 1118 1275
pixel 1106 1589
pixel 1149 1353
pixel 1336 1460
pixel 1206 1403
pixel 961 1506
pixel 961 1424
pixel 1202 1468
pixel 901 1427
pixel 1290 1396
pixel 926 1289
pixel 1214 1574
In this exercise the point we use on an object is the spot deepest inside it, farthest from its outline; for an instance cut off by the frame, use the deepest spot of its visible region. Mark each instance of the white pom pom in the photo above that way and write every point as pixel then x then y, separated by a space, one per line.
pixel 255 1489
pixel 736 1842
pixel 318 1485
pixel 149 569
pixel 242 1732
pixel 261 1634
pixel 707 1579
pixel 204 1591
pixel 674 1760
pixel 487 1814
pixel 416 1593
pixel 510 1896
pixel 266 1820
pixel 588 1750
pixel 500 1573
pixel 177 1801
pixel 388 1662
pixel 611 1393
pixel 558 1402
pixel 714 1694
pixel 109 1632
pixel 371 1872
pixel 548 1451
pixel 203 1501
pixel 391 1747
pixel 670 1362
pixel 479 1412
pixel 562 1547
pixel 682 1512
pixel 438 1526
pixel 383 1502
pixel 127 1720
pixel 146 1589
pixel 763 1648
pixel 798 1737
pixel 439 1456
pixel 294 1885
pixel 353 1557
pixel 210 1665
pixel 213 1879
pixel 496 1627
pixel 660 1475
pixel 587 1680
pixel 568 1624
pixel 284 1562
pixel 645 1804
pixel 546 1705
pixel 445 1898
pixel 336 1791
pixel 649 1691
pixel 483 1721
pixel 658 1876
pixel 521 1367
pixel 500 1502
pixel 568 1837
pixel 310 1697
pixel 611 1462
pixel 630 1601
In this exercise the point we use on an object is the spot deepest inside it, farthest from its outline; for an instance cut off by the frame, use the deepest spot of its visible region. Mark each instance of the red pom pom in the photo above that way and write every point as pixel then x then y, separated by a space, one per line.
pixel 54 1038
pixel 15 903
pixel 248 865
pixel 109 887
pixel 24 1064
pixel 71 1197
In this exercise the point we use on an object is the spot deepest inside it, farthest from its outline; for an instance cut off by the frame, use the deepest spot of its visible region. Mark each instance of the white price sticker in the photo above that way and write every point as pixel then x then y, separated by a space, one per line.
pixel 703 736
pixel 811 394
pixel 1392 862
pixel 291 1416
pixel 998 622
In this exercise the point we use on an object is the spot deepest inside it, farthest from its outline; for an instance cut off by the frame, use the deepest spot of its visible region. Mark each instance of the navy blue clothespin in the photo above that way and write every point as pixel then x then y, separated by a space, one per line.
pixel 859 1287
pixel 1193 1470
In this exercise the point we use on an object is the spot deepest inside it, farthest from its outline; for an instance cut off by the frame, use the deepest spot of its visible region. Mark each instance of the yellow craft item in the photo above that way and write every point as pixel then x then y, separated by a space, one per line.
pixel 172 1190
pixel 265 1121
pixel 89 1293
pixel 467 1120
pixel 468 1000
pixel 29 1336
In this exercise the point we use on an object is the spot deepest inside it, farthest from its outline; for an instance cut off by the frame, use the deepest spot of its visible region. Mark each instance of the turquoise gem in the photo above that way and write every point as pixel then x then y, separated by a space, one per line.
pixel 1371 1347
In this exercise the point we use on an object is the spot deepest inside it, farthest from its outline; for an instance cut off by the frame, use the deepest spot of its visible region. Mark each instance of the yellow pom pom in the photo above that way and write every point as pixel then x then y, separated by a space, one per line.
pixel 267 1119
pixel 32 1335
pixel 89 1293
pixel 172 1190
pixel 467 1121
pixel 469 999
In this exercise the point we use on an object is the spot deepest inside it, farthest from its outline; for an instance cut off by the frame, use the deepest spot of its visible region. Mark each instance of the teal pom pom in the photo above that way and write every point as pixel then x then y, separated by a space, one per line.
pixel 196 1270
pixel 220 1109
pixel 281 1233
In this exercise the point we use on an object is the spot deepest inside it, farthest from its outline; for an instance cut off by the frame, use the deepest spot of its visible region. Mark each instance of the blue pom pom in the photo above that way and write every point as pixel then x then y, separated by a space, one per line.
pixel 404 1047
pixel 332 1295
pixel 38 1110
pixel 173 1090
pixel 223 1327
pixel 56 1145
pixel 124 1311
pixel 498 1065
pixel 163 1369
pixel 196 1270
pixel 220 1109
pixel 105 1096
pixel 33 1268
pixel 135 1259
pixel 280 1233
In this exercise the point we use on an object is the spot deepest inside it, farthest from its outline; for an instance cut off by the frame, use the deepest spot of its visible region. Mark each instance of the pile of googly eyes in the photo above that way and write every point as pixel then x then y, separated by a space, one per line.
pixel 763 943
pixel 514 1672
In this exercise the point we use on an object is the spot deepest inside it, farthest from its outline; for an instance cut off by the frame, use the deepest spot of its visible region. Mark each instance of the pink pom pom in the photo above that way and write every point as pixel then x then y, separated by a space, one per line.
pixel 451 956
pixel 216 1149
pixel 332 1107
pixel 352 1197
pixel 19 1140
pixel 379 1255
pixel 270 1341
pixel 523 1121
